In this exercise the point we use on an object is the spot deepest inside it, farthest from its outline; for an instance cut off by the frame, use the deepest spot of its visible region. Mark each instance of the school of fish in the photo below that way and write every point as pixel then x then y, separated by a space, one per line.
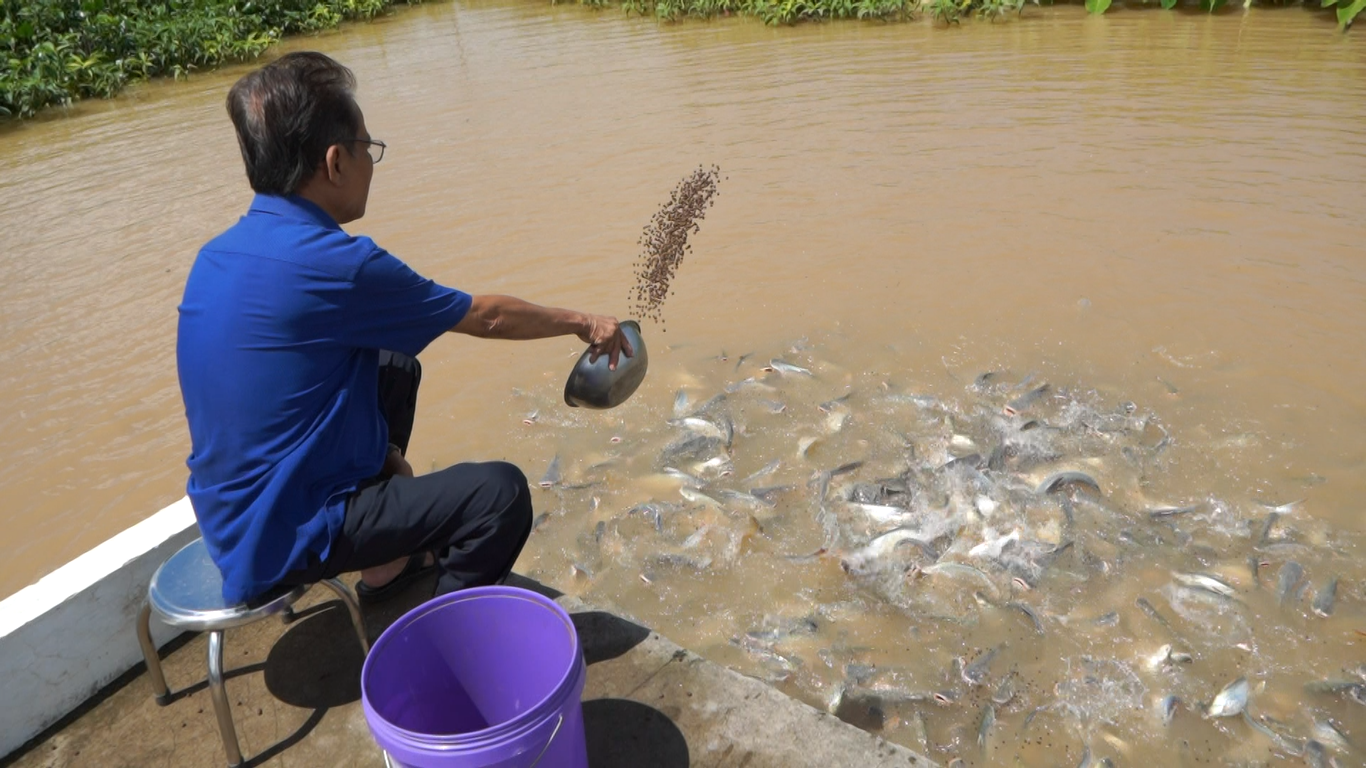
pixel 988 573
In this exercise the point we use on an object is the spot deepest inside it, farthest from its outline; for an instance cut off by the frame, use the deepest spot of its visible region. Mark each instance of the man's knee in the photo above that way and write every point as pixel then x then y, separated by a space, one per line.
pixel 510 487
pixel 506 477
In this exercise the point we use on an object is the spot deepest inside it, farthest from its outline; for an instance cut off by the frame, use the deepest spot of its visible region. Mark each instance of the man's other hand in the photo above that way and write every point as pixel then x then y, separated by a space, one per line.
pixel 604 337
pixel 395 465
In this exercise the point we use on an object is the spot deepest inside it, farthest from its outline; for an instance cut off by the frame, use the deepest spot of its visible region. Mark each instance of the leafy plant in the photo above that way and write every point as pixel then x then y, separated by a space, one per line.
pixel 1348 11
pixel 53 52
pixel 994 9
pixel 948 11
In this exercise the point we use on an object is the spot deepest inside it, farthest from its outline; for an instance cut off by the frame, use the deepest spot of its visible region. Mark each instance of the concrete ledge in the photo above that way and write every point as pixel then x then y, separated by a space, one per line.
pixel 294 691
pixel 722 718
pixel 68 635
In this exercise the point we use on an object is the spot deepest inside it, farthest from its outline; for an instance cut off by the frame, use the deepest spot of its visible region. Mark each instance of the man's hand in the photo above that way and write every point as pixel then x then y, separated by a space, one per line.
pixel 395 465
pixel 604 337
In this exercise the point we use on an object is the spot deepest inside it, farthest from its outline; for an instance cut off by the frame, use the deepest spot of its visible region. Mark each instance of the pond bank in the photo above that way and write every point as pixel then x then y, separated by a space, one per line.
pixel 59 51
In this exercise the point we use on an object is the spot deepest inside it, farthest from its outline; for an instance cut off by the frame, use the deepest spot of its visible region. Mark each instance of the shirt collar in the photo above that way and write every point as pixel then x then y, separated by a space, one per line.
pixel 293 207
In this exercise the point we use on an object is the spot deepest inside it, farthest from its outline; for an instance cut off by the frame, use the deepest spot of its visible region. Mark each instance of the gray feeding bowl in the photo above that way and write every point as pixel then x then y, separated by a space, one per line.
pixel 593 385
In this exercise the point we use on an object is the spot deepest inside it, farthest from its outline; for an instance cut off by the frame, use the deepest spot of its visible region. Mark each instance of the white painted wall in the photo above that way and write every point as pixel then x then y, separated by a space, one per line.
pixel 70 634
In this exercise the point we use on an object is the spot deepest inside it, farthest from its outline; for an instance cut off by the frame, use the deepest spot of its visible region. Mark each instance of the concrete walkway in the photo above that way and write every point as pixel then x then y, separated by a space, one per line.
pixel 295 692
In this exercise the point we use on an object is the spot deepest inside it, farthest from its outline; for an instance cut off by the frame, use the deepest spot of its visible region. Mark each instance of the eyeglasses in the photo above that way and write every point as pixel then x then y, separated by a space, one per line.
pixel 376 155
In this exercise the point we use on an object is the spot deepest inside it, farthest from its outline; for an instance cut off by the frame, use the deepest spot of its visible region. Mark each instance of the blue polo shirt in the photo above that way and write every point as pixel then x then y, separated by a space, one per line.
pixel 280 329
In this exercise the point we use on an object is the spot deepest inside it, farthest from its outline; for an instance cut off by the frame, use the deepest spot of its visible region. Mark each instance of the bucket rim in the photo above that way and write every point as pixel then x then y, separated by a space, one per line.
pixel 530 718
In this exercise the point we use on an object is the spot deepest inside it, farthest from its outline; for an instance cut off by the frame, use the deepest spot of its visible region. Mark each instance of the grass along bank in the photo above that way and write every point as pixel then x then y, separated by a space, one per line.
pixel 943 11
pixel 53 52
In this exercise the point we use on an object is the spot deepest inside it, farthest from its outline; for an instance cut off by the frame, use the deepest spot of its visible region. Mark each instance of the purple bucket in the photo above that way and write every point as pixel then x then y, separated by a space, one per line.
pixel 489 677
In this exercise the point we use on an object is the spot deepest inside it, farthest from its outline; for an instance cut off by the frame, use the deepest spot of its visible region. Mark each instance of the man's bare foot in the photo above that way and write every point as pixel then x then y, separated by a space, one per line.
pixel 383 574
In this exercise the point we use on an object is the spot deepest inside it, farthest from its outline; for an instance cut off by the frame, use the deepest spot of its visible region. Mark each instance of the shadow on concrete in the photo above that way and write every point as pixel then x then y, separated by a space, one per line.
pixel 604 636
pixel 626 734
pixel 316 664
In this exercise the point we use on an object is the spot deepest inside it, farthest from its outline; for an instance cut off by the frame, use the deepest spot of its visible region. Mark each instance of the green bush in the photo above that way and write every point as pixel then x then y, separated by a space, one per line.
pixel 57 51
pixel 1347 10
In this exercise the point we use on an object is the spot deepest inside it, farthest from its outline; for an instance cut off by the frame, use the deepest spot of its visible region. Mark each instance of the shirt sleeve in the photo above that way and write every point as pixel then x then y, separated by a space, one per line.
pixel 393 307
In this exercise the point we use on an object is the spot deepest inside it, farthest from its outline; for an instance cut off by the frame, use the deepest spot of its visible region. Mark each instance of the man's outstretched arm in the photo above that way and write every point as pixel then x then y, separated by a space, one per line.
pixel 508 317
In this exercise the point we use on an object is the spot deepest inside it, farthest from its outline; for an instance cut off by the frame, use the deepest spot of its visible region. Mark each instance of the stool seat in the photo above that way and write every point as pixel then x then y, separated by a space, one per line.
pixel 187 592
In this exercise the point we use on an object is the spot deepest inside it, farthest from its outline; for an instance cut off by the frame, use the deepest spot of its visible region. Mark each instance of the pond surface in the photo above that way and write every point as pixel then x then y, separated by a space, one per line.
pixel 1159 215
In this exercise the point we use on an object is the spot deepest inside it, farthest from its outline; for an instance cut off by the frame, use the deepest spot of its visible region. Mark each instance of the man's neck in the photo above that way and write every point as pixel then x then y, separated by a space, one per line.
pixel 311 192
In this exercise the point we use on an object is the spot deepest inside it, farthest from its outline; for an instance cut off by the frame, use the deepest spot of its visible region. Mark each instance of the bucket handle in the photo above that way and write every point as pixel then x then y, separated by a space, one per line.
pixel 389 762
pixel 548 742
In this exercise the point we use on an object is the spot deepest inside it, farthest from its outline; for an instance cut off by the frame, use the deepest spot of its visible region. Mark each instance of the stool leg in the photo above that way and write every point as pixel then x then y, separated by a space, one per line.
pixel 149 655
pixel 220 699
pixel 352 607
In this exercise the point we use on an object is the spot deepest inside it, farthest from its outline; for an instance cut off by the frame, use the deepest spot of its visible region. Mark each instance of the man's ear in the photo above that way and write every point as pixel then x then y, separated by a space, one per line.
pixel 332 163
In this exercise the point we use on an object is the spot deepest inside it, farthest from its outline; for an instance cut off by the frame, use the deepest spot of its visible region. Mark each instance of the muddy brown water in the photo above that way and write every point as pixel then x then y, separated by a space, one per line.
pixel 1145 207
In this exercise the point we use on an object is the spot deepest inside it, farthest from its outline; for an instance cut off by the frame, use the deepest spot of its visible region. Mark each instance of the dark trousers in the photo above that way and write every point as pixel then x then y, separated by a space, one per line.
pixel 474 517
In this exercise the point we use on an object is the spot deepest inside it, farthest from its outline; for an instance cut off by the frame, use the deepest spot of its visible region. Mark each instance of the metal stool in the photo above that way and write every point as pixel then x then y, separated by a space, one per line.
pixel 187 592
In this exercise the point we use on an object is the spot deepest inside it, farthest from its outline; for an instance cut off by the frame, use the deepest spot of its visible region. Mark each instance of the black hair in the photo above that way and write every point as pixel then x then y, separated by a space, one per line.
pixel 287 114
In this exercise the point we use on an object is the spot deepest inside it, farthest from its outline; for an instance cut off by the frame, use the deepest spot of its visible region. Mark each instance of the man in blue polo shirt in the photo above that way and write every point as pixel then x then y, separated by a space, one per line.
pixel 296 352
